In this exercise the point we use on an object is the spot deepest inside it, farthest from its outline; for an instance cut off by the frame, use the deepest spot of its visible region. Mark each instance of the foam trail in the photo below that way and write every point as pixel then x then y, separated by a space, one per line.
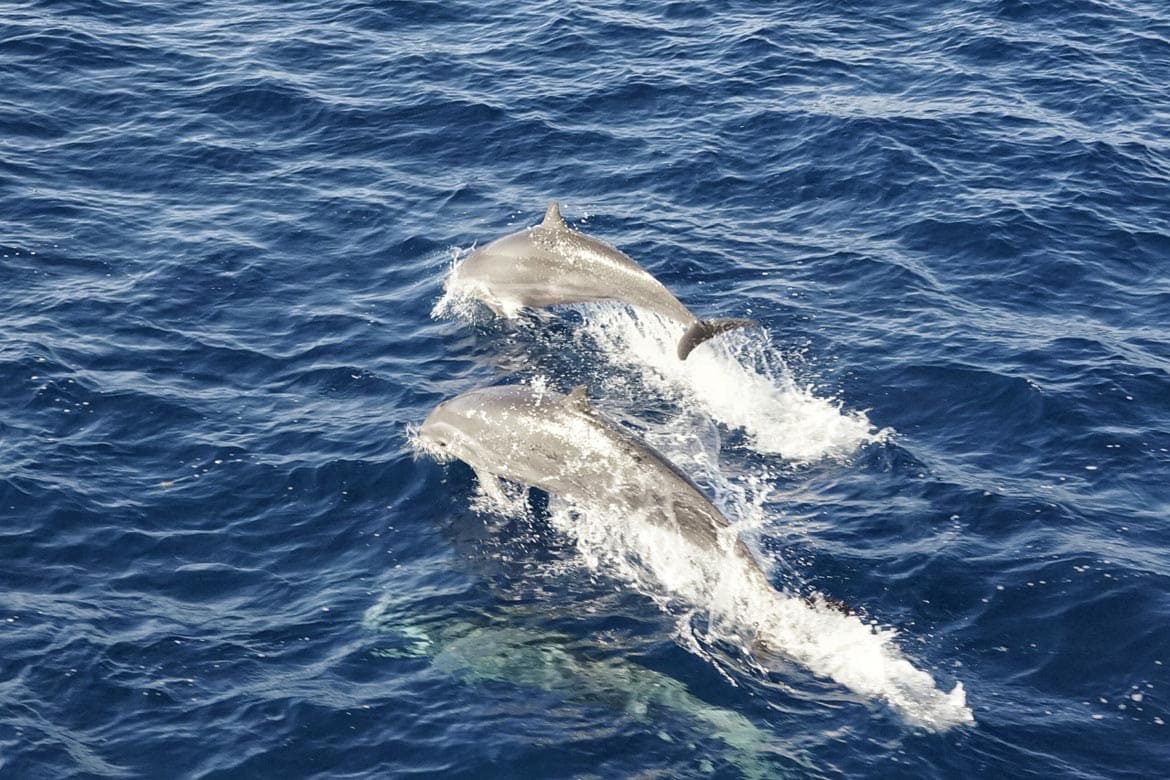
pixel 825 641
pixel 738 601
pixel 778 416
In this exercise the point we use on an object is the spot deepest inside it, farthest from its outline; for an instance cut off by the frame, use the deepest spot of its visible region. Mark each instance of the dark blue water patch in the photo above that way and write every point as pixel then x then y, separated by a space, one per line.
pixel 241 214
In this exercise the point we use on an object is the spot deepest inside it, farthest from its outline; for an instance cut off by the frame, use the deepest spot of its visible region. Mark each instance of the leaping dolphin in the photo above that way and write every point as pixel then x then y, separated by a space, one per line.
pixel 551 263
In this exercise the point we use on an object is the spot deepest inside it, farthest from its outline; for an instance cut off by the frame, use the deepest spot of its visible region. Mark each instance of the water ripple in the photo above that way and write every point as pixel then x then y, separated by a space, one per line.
pixel 225 228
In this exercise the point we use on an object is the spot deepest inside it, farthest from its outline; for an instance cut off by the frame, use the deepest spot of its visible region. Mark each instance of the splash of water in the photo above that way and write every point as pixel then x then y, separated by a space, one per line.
pixel 737 378
pixel 737 600
pixel 743 384
pixel 455 302
pixel 738 603
pixel 465 298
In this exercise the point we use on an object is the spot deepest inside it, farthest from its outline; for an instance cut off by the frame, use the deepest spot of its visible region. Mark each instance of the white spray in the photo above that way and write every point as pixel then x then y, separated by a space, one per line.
pixel 743 384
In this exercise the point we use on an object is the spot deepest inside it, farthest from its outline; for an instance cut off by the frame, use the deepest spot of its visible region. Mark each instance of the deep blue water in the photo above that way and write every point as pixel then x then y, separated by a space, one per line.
pixel 224 227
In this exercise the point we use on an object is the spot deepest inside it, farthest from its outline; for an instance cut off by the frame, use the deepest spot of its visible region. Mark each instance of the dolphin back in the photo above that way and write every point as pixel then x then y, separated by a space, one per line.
pixel 706 329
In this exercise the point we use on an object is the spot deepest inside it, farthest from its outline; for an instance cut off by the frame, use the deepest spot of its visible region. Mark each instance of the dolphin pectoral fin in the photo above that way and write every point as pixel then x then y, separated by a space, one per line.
pixel 705 329
pixel 491 487
pixel 553 219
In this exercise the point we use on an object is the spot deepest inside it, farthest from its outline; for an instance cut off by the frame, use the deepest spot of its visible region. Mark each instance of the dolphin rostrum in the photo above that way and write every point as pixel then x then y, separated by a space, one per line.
pixel 551 263
pixel 562 445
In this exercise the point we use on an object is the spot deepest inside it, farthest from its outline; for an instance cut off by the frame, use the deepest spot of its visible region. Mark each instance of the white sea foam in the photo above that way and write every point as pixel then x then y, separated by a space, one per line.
pixel 827 642
pixel 462 297
pixel 736 378
pixel 731 593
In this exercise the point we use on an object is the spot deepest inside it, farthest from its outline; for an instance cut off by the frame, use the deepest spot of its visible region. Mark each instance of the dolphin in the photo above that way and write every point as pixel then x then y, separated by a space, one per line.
pixel 497 649
pixel 551 263
pixel 561 444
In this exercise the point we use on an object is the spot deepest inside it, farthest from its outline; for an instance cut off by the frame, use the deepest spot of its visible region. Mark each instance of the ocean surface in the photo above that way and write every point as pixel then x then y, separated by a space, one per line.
pixel 225 229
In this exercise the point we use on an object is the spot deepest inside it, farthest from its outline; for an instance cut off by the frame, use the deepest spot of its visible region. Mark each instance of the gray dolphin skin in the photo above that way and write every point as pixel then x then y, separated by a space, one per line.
pixel 551 264
pixel 562 445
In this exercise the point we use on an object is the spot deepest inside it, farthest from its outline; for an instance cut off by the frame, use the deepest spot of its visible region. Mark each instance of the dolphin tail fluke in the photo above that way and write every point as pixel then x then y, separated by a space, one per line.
pixel 705 329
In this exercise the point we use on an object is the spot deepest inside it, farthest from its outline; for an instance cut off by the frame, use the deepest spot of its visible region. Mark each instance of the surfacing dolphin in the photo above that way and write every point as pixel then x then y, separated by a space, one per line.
pixel 551 263
pixel 562 445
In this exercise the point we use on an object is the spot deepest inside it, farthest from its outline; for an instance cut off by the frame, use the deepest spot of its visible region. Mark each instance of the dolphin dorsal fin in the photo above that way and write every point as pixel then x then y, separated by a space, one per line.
pixel 578 400
pixel 553 219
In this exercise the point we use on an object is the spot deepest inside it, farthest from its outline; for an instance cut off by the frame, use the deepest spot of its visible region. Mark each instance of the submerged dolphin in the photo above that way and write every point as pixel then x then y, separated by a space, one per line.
pixel 497 650
pixel 551 263
pixel 562 445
